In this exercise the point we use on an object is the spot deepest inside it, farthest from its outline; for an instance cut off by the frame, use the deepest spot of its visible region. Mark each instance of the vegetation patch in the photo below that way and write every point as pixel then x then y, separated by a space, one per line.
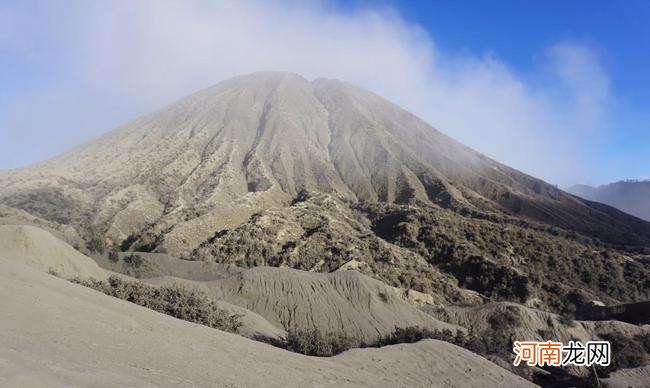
pixel 135 265
pixel 436 251
pixel 96 244
pixel 179 302
pixel 511 259
pixel 314 342
pixel 626 352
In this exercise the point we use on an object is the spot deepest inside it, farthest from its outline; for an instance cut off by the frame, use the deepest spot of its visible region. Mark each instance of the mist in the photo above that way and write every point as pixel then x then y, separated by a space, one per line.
pixel 95 65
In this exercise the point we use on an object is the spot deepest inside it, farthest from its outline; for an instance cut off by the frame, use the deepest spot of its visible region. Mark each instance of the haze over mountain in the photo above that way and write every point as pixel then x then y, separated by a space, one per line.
pixel 270 169
pixel 630 196
pixel 177 180
pixel 214 158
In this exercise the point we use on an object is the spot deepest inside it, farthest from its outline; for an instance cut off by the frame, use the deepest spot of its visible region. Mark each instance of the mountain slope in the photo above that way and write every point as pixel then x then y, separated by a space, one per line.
pixel 343 303
pixel 39 249
pixel 632 197
pixel 59 334
pixel 438 252
pixel 214 158
pixel 271 169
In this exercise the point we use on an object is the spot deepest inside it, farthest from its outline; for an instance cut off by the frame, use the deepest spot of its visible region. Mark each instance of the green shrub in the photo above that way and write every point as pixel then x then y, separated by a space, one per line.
pixel 567 319
pixel 134 260
pixel 96 244
pixel 113 256
pixel 626 352
pixel 53 272
pixel 179 302
pixel 411 334
pixel 504 320
pixel 315 343
pixel 137 267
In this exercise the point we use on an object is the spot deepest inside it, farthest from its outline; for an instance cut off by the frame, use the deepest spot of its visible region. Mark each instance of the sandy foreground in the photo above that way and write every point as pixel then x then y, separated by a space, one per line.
pixel 54 333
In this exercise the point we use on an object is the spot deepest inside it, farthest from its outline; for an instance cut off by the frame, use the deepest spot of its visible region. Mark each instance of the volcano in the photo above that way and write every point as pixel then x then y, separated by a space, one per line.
pixel 272 169
pixel 317 217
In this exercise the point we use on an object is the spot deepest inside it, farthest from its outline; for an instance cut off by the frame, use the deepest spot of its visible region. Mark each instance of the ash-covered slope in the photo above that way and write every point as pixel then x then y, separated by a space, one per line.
pixel 632 197
pixel 58 334
pixel 170 180
pixel 437 252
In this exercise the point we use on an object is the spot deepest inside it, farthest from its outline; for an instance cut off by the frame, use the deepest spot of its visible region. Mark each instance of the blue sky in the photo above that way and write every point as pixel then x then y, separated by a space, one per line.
pixel 557 89
pixel 516 31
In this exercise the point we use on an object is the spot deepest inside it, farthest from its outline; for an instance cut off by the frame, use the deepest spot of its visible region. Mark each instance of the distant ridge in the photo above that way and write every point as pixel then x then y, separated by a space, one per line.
pixel 631 196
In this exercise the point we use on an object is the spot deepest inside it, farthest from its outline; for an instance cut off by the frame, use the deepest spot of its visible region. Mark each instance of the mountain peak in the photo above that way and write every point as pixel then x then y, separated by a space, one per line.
pixel 255 141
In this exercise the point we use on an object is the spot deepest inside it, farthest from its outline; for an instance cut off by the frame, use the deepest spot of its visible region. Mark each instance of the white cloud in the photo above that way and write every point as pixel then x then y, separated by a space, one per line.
pixel 148 53
pixel 588 85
